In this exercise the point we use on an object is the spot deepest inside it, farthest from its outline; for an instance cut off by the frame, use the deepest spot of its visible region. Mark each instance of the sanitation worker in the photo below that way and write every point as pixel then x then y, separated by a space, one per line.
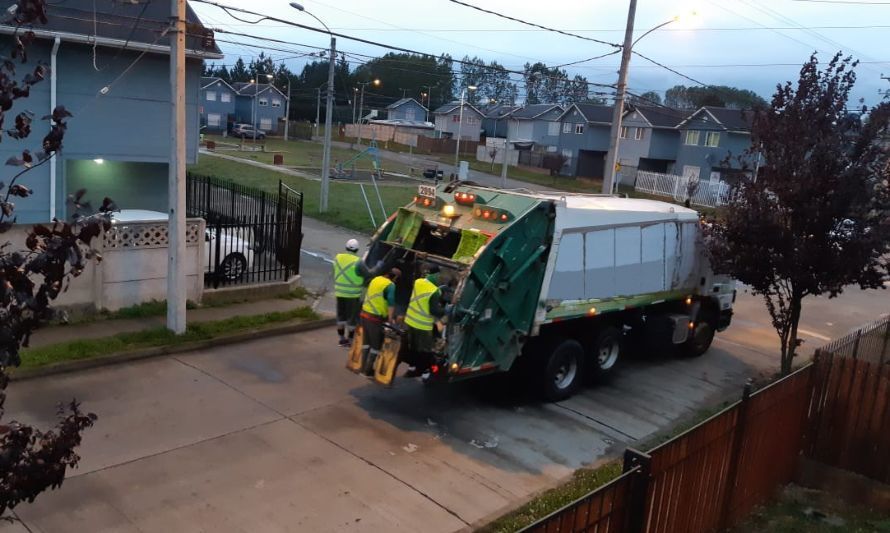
pixel 425 306
pixel 348 287
pixel 378 309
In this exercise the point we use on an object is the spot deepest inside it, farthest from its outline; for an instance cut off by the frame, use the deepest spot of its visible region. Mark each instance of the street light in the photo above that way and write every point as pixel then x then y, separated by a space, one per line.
pixel 326 153
pixel 428 95
pixel 376 83
pixel 621 90
pixel 460 124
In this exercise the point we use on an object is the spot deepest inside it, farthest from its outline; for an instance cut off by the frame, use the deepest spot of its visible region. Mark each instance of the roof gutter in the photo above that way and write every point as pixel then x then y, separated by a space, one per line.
pixel 53 83
pixel 111 43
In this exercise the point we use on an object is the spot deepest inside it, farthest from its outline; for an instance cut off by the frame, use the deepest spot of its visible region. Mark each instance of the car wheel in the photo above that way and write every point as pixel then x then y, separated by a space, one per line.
pixel 562 371
pixel 233 267
pixel 605 351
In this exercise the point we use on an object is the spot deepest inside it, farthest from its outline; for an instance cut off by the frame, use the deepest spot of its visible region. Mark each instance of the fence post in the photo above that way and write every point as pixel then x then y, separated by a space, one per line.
pixel 636 503
pixel 733 468
pixel 856 344
pixel 886 343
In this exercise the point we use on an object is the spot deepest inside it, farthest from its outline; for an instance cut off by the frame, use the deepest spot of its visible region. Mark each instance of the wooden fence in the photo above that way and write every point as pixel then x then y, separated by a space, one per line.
pixel 446 146
pixel 835 410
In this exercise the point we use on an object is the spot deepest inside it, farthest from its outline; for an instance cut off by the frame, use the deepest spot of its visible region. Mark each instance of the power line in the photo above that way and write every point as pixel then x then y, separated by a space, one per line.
pixel 649 59
pixel 514 19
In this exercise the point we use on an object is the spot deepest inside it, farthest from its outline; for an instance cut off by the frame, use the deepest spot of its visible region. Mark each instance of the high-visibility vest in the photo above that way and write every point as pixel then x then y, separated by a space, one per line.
pixel 418 315
pixel 347 282
pixel 375 302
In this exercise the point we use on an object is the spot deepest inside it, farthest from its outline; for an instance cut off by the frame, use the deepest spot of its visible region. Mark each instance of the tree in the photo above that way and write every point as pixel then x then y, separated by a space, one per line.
pixel 498 86
pixel 32 460
pixel 816 218
pixel 239 72
pixel 682 97
pixel 647 98
pixel 260 67
pixel 474 72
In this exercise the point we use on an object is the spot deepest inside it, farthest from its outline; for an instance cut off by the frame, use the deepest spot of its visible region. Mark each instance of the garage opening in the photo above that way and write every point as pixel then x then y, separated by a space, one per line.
pixel 591 164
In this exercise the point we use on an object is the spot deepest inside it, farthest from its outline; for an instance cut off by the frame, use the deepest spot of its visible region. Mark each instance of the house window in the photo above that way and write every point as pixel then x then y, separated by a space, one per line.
pixel 712 139
pixel 455 118
pixel 624 133
pixel 211 96
pixel 553 129
pixel 692 137
pixel 567 127
pixel 225 97
pixel 579 129
pixel 472 120
pixel 265 124
pixel 638 134
pixel 264 102
pixel 213 119
pixel 276 102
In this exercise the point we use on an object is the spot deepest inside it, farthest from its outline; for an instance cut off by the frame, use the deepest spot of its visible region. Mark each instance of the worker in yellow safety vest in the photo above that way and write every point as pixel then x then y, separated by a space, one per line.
pixel 424 308
pixel 378 309
pixel 348 287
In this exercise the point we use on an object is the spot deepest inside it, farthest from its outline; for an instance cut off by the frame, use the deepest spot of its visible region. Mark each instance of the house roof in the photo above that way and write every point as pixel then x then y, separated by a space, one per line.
pixel 729 119
pixel 601 114
pixel 117 24
pixel 661 117
pixel 451 106
pixel 533 111
pixel 253 89
pixel 498 111
pixel 206 82
pixel 403 101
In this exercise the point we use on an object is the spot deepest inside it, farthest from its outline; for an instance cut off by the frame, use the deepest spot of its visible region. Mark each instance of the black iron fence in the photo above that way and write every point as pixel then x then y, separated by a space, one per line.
pixel 253 236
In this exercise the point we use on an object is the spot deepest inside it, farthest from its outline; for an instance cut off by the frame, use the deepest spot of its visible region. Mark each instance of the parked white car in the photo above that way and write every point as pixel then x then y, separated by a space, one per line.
pixel 236 253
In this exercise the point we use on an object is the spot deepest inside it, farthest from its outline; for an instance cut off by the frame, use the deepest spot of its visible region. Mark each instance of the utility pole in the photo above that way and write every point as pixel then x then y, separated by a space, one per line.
pixel 612 156
pixel 361 104
pixel 287 110
pixel 317 108
pixel 326 157
pixel 176 284
pixel 354 101
pixel 504 168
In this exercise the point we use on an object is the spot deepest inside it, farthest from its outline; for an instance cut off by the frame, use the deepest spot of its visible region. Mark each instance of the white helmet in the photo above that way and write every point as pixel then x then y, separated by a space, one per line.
pixel 352 245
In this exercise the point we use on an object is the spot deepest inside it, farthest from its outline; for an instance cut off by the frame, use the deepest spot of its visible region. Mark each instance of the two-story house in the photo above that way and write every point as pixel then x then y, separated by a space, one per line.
pixel 406 110
pixel 712 139
pixel 649 140
pixel 259 104
pixel 584 139
pixel 496 117
pixel 537 124
pixel 448 121
pixel 113 75
pixel 217 105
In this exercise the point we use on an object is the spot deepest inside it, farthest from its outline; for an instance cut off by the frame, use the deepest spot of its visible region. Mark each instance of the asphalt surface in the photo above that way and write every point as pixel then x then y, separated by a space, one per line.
pixel 275 435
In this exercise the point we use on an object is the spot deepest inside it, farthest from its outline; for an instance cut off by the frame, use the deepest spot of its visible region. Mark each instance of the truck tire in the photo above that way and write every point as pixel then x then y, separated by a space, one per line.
pixel 604 353
pixel 563 369
pixel 700 339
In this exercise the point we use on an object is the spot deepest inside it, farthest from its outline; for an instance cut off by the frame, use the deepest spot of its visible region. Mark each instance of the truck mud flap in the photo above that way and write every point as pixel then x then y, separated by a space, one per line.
pixel 388 361
pixel 354 360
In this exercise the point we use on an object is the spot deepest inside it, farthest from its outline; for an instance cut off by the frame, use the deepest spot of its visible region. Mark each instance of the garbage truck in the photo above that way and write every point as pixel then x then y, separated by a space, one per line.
pixel 554 282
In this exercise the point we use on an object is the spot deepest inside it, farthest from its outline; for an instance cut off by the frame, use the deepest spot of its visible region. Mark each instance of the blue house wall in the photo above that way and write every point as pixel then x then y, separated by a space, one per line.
pixel 131 123
pixel 707 159
pixel 594 138
pixel 216 106
pixel 410 110
pixel 268 115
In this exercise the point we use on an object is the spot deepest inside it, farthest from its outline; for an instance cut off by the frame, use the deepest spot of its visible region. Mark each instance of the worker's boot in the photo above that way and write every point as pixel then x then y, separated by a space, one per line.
pixel 372 357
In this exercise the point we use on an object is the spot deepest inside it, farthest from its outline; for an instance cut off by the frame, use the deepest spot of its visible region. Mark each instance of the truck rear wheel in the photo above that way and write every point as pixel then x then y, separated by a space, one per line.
pixel 562 370
pixel 604 353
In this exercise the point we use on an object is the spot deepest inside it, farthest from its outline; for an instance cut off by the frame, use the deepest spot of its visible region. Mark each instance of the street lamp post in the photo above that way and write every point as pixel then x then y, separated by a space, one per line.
pixel 620 92
pixel 460 124
pixel 361 105
pixel 287 111
pixel 256 93
pixel 427 94
pixel 326 154
pixel 354 101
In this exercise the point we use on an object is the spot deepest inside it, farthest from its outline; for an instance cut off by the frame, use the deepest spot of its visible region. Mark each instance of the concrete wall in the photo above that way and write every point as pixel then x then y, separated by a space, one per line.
pixel 131 122
pixel 132 271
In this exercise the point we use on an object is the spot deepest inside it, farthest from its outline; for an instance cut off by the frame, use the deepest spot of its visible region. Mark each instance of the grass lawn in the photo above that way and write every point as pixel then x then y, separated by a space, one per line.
pixel 346 207
pixel 300 153
pixel 123 342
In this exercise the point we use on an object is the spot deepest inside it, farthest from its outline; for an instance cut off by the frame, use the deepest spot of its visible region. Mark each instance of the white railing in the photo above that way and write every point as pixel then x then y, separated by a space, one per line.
pixel 700 192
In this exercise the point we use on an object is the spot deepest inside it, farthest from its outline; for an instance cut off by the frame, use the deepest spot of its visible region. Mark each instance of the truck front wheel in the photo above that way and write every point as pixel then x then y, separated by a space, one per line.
pixel 562 370
pixel 700 339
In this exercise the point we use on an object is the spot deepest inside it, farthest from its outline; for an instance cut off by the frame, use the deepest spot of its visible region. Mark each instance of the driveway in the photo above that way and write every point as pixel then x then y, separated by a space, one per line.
pixel 275 435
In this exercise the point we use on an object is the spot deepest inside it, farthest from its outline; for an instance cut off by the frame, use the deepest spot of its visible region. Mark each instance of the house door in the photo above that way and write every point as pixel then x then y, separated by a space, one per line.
pixel 591 164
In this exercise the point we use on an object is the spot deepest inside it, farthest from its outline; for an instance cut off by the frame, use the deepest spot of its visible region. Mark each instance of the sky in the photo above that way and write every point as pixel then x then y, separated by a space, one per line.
pixel 750 44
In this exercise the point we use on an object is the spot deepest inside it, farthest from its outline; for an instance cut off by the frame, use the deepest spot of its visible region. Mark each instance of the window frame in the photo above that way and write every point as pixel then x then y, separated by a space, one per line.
pixel 579 129
pixel 553 129
pixel 567 127
pixel 639 133
pixel 225 97
pixel 207 96
pixel 215 123
pixel 624 133
pixel 262 101
pixel 276 102
pixel 263 127
pixel 712 136
pixel 694 135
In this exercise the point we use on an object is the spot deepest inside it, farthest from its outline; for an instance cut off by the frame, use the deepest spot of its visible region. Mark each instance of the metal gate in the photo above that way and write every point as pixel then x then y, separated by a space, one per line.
pixel 252 236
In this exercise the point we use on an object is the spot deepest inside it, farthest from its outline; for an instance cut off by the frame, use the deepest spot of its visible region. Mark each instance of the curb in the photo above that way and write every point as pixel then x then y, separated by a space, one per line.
pixel 155 351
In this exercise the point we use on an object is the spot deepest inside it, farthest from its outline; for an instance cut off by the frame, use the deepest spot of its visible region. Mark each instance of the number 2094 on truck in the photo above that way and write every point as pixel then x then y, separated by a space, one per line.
pixel 557 284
